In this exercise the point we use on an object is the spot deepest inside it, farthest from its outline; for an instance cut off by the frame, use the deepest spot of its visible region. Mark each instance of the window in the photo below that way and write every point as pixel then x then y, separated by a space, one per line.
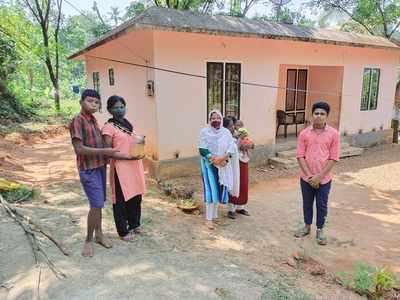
pixel 370 89
pixel 296 94
pixel 221 95
pixel 232 90
pixel 96 81
pixel 111 76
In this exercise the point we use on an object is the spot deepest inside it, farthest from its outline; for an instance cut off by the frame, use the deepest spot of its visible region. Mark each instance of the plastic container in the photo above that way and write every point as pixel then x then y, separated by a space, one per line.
pixel 137 146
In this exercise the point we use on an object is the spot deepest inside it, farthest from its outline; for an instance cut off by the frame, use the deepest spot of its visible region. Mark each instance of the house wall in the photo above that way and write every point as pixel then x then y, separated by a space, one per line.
pixel 130 81
pixel 181 101
pixel 329 80
pixel 355 60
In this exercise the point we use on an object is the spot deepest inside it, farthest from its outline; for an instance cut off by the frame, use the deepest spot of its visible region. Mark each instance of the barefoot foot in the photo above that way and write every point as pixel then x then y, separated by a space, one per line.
pixel 87 250
pixel 103 241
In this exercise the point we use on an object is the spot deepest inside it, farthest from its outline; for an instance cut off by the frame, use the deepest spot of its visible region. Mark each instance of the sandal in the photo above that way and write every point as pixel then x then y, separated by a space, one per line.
pixel 231 215
pixel 302 232
pixel 138 231
pixel 243 212
pixel 127 238
pixel 321 238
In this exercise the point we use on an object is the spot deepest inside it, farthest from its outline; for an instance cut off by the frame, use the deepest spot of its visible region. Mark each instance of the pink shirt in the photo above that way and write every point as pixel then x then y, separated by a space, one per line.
pixel 130 172
pixel 317 147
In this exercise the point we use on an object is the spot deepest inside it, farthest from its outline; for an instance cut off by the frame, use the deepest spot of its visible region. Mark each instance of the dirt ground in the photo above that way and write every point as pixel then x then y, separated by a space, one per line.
pixel 179 258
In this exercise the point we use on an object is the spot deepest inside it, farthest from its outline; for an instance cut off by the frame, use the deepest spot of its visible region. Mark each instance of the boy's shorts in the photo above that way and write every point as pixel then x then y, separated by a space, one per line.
pixel 94 185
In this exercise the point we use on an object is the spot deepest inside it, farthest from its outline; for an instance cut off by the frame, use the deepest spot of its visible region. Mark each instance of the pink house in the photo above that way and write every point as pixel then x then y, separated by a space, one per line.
pixel 173 67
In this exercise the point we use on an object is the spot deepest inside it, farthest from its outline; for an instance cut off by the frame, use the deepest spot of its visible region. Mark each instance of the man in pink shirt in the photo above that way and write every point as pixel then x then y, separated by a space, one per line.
pixel 317 152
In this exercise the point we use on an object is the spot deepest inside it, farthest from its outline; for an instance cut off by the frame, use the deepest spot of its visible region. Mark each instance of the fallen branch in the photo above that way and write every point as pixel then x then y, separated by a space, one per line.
pixel 36 227
pixel 36 248
pixel 7 285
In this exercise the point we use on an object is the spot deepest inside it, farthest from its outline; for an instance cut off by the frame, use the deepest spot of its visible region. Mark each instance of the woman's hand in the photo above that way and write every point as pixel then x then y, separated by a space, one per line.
pixel 219 161
pixel 223 163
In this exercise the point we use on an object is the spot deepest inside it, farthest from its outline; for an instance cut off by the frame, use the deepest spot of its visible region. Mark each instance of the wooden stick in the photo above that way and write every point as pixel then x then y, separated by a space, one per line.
pixel 28 232
pixel 36 227
pixel 36 248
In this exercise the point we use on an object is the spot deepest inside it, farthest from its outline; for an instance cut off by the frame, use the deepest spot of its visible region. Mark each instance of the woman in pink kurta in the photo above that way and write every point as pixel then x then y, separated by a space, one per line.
pixel 126 171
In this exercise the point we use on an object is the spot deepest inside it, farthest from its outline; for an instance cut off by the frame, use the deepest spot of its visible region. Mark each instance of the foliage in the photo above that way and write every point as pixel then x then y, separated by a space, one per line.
pixel 133 9
pixel 8 58
pixel 283 290
pixel 290 17
pixel 204 6
pixel 367 16
pixel 27 88
pixel 11 110
pixel 16 192
pixel 368 281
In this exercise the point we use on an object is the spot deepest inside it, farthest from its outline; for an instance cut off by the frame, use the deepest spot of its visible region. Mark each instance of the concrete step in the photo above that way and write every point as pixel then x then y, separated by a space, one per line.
pixel 286 163
pixel 345 151
pixel 287 154
pixel 351 151
pixel 344 145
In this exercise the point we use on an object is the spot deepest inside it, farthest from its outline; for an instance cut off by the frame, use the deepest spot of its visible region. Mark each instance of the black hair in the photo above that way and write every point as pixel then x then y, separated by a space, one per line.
pixel 114 99
pixel 125 124
pixel 234 120
pixel 89 93
pixel 226 122
pixel 214 112
pixel 322 105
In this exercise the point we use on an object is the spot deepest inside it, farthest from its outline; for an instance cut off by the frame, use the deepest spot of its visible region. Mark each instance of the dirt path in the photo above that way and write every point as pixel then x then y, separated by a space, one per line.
pixel 180 258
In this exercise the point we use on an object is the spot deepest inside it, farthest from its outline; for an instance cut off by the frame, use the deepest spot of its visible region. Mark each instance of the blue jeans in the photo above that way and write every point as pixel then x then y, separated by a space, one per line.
pixel 321 196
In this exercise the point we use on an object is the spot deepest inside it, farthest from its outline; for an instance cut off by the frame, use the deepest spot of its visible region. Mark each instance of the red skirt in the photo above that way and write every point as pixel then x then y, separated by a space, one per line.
pixel 244 186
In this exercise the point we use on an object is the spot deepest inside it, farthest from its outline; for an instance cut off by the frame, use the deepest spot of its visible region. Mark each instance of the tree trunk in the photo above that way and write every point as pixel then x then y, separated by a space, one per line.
pixel 57 98
pixel 30 74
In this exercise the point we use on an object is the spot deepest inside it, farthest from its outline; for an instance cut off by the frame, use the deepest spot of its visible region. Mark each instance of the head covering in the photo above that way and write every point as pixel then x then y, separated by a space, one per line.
pixel 211 138
pixel 219 141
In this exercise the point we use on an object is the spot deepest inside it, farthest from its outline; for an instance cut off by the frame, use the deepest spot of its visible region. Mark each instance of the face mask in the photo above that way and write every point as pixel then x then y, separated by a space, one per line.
pixel 216 124
pixel 118 113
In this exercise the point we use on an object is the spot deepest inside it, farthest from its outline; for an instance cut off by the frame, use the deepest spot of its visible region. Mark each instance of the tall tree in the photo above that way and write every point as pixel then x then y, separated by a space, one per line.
pixel 289 16
pixel 114 15
pixel 278 6
pixel 41 12
pixel 240 8
pixel 97 11
pixel 204 6
pixel 133 9
pixel 376 17
pixel 8 59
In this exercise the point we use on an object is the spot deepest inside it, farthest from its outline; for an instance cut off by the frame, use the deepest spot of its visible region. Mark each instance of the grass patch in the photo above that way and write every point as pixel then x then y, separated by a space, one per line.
pixel 283 290
pixel 146 221
pixel 20 194
pixel 69 108
pixel 28 118
pixel 366 280
pixel 152 191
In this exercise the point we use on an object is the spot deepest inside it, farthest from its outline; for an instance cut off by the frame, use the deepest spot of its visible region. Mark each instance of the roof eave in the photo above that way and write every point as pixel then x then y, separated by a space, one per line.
pixel 267 36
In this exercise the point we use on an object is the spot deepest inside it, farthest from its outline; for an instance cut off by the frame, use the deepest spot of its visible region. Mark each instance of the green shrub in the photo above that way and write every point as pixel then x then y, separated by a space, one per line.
pixel 282 290
pixel 368 281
